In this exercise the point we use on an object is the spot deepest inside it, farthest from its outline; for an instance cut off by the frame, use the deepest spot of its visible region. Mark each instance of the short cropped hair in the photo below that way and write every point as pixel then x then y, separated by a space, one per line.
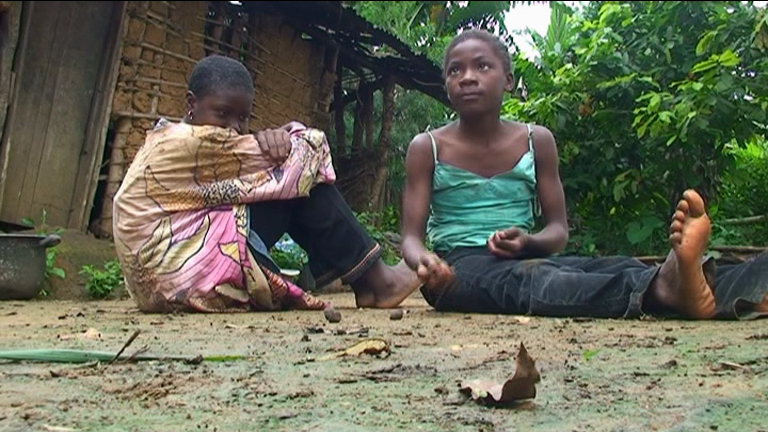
pixel 217 72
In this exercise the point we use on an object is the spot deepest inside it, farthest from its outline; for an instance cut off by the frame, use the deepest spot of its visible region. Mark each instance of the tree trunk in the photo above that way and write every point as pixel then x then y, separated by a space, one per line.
pixel 358 129
pixel 378 191
pixel 367 96
pixel 338 114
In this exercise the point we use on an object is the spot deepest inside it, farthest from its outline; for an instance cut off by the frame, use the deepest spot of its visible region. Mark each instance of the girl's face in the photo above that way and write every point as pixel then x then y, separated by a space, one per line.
pixel 222 108
pixel 475 78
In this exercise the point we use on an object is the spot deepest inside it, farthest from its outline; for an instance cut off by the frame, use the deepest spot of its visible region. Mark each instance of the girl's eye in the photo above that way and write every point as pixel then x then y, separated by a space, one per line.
pixel 221 113
pixel 484 66
pixel 243 118
pixel 453 70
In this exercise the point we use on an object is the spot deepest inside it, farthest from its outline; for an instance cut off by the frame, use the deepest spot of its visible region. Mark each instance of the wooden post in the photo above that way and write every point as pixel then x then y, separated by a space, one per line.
pixel 338 112
pixel 218 30
pixel 385 142
pixel 117 170
pixel 357 129
pixel 367 98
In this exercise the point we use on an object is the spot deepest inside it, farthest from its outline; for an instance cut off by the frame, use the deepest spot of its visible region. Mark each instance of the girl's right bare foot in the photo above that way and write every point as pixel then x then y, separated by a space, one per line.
pixel 384 286
pixel 680 284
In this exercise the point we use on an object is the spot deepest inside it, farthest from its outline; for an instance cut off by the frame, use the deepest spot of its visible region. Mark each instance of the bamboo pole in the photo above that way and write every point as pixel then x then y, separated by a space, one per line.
pixel 166 52
pixel 142 116
pixel 251 40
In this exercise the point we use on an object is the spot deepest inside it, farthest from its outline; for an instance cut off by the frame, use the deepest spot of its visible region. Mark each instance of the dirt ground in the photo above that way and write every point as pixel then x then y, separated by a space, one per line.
pixel 597 375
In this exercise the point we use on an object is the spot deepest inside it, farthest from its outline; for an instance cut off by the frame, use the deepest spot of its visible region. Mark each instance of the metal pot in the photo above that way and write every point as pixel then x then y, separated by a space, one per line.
pixel 22 264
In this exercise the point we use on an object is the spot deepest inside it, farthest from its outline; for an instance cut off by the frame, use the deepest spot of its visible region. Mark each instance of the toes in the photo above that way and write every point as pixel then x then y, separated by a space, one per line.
pixel 679 216
pixel 695 202
pixel 676 238
pixel 676 227
pixel 683 206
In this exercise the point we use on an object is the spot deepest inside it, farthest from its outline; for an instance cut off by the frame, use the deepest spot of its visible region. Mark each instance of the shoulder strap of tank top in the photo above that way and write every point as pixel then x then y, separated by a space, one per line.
pixel 434 146
pixel 530 138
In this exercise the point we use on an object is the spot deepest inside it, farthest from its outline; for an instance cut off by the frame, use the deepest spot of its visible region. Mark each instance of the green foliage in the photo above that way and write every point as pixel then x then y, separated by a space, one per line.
pixel 590 354
pixel 288 255
pixel 51 269
pixel 101 283
pixel 745 188
pixel 381 226
pixel 428 26
pixel 642 98
pixel 743 194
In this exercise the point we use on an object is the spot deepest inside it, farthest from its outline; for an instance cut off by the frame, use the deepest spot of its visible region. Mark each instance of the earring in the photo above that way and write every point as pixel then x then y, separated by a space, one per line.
pixel 191 115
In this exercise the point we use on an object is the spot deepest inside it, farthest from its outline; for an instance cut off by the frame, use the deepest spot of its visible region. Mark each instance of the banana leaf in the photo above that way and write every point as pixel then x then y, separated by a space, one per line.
pixel 80 356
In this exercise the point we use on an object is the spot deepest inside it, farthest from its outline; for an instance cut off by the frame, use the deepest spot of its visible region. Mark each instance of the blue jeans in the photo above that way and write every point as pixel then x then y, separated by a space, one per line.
pixel 563 286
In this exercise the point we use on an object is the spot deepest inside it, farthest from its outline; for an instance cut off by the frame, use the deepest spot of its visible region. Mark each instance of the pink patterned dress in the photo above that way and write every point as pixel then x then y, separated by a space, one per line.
pixel 180 218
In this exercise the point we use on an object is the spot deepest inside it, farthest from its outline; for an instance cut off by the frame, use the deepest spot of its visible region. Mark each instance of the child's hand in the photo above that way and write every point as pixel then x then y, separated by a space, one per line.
pixel 508 243
pixel 275 143
pixel 293 126
pixel 434 272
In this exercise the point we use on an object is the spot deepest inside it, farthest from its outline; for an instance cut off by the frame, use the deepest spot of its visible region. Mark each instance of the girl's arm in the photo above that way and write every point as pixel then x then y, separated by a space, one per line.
pixel 554 237
pixel 419 166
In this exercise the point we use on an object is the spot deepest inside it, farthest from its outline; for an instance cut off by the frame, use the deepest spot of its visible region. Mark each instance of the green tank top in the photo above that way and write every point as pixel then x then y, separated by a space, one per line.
pixel 467 208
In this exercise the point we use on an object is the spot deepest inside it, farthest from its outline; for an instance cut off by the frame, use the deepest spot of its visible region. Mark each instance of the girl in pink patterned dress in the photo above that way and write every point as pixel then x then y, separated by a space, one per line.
pixel 202 203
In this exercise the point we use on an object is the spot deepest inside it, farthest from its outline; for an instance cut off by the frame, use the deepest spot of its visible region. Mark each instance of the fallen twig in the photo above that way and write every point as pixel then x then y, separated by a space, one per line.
pixel 743 221
pixel 138 352
pixel 126 345
pixel 740 249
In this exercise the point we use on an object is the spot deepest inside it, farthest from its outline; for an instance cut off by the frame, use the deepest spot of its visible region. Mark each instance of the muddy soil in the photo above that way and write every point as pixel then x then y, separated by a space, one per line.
pixel 597 375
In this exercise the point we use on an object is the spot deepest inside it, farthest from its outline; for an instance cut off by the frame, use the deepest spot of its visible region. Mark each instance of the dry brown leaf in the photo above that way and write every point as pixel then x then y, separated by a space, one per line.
pixel 368 346
pixel 522 385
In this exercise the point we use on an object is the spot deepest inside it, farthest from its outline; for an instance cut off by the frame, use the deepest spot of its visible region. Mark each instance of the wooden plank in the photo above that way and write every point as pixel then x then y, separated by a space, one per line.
pixel 7 87
pixel 28 129
pixel 98 123
pixel 59 80
pixel 10 21
pixel 51 169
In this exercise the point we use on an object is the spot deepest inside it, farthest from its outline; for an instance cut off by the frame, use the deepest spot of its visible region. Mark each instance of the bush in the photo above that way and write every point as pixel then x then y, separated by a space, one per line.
pixel 743 193
pixel 99 283
pixel 288 255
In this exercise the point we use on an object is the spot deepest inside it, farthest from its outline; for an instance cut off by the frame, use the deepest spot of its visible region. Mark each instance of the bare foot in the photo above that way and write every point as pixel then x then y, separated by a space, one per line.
pixel 763 306
pixel 385 287
pixel 364 297
pixel 681 284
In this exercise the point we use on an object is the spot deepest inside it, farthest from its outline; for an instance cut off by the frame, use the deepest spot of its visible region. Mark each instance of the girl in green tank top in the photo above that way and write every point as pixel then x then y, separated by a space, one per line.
pixel 473 188
pixel 476 182
pixel 467 208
